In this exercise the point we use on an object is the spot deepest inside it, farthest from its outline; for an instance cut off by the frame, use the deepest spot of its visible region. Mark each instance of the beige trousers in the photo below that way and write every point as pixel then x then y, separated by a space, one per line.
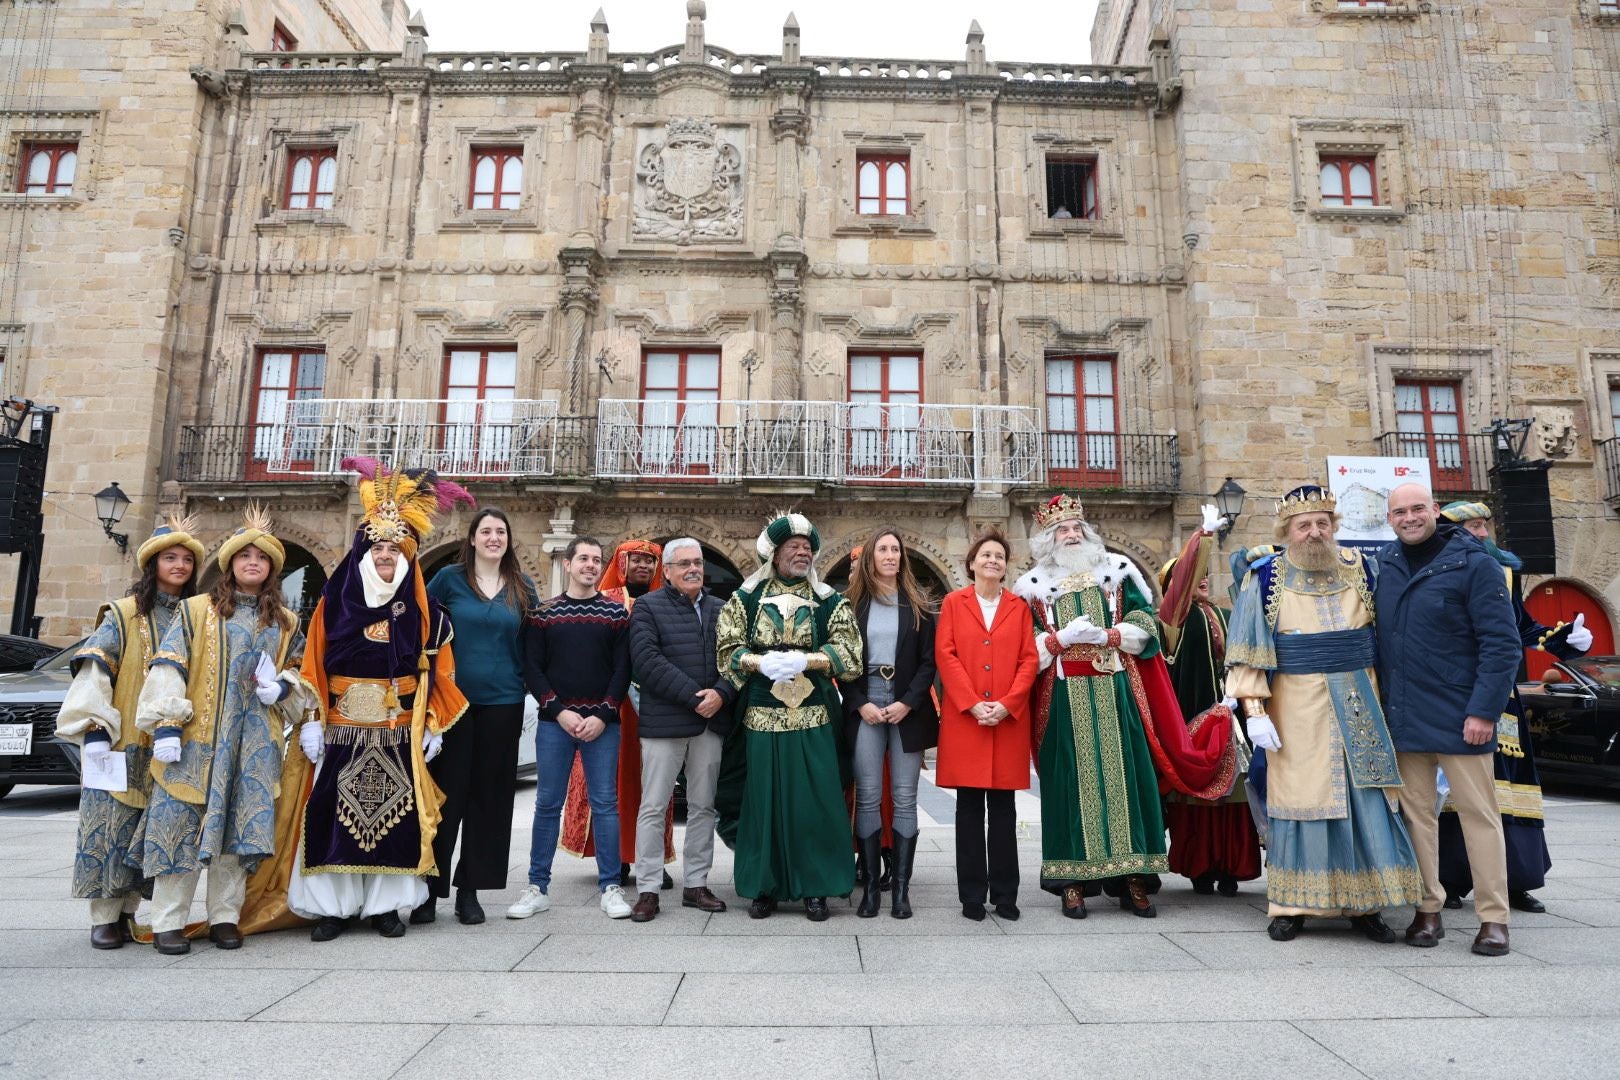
pixel 1473 792
pixel 172 894
pixel 107 911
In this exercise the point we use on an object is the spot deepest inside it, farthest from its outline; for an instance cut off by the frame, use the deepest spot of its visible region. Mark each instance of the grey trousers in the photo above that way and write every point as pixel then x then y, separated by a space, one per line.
pixel 661 761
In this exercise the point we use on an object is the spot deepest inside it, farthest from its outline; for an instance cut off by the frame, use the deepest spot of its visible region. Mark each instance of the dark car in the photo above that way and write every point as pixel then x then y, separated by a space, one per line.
pixel 29 702
pixel 22 653
pixel 1574 716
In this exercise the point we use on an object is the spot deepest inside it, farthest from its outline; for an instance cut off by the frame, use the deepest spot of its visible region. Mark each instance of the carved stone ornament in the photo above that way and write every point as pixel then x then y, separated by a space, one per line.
pixel 1555 431
pixel 689 186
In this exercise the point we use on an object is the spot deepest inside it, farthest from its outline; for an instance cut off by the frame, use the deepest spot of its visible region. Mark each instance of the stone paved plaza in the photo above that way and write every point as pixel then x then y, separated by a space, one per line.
pixel 1199 992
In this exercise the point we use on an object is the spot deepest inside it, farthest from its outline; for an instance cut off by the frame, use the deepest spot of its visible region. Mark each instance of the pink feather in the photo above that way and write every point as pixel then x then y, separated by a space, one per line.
pixel 449 493
pixel 367 467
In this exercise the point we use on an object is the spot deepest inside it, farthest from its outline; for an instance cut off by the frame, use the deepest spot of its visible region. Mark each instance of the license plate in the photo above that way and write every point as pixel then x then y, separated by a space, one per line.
pixel 16 739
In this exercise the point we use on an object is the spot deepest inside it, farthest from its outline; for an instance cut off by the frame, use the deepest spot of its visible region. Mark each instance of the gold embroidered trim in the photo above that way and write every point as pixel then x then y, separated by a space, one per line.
pixel 1343 890
pixel 374 793
pixel 777 720
pixel 1113 866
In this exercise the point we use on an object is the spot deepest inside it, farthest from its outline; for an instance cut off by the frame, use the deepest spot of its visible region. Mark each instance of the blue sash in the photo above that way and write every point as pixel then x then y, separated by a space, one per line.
pixel 1325 653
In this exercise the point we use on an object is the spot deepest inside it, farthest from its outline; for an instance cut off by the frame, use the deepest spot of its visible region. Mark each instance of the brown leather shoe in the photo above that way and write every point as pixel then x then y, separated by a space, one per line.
pixel 646 909
pixel 171 942
pixel 1492 939
pixel 1140 904
pixel 1425 931
pixel 1074 902
pixel 106 936
pixel 701 898
pixel 226 935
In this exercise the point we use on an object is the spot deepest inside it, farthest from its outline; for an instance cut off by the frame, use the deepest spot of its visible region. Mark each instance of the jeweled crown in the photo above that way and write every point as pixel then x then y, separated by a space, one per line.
pixel 1059 508
pixel 1306 499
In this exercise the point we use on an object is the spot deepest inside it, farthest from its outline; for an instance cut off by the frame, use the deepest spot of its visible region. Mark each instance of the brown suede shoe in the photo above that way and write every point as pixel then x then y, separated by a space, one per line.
pixel 171 942
pixel 226 935
pixel 646 909
pixel 1492 939
pixel 1425 931
pixel 701 898
pixel 106 936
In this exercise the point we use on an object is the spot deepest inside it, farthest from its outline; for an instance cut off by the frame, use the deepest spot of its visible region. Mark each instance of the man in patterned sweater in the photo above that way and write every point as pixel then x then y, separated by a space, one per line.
pixel 577 666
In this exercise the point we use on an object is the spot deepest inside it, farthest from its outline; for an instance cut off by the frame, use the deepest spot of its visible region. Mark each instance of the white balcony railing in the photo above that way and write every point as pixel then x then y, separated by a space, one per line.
pixel 832 441
pixel 466 438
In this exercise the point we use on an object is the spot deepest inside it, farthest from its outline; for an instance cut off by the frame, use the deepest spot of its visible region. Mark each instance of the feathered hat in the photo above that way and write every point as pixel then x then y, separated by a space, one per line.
pixel 400 507
pixel 255 530
pixel 178 532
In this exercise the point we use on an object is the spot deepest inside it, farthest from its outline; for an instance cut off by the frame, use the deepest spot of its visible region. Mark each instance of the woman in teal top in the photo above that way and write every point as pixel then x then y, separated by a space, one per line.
pixel 487 597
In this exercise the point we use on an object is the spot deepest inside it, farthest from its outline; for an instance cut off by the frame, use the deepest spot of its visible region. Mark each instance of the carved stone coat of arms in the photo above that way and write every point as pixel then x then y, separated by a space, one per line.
pixel 689 186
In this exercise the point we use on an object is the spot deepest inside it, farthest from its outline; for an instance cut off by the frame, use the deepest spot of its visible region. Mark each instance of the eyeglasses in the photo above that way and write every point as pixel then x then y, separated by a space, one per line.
pixel 686 563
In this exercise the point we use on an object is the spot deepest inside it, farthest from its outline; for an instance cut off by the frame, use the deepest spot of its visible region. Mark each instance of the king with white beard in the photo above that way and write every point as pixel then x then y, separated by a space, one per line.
pixel 1095 629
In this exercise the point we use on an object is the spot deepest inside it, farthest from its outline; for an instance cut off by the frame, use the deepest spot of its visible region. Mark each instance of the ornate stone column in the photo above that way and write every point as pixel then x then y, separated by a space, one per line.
pixel 787 322
pixel 579 296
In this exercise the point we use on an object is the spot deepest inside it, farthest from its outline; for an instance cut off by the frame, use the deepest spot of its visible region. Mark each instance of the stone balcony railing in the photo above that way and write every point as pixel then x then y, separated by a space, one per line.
pixel 717 442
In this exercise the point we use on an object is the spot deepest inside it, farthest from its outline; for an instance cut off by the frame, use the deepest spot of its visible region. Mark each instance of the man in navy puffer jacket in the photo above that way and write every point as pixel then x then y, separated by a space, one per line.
pixel 1447 658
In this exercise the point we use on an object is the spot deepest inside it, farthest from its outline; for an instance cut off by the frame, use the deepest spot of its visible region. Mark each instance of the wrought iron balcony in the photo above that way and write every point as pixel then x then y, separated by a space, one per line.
pixel 1138 464
pixel 816 441
pixel 1608 455
pixel 474 440
pixel 1458 464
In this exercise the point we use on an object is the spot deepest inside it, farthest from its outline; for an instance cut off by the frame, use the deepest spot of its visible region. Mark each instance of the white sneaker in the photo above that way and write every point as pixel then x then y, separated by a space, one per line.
pixel 529 901
pixel 614 905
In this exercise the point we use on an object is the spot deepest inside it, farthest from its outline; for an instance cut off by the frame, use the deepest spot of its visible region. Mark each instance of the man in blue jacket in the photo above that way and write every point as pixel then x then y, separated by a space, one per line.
pixel 1447 658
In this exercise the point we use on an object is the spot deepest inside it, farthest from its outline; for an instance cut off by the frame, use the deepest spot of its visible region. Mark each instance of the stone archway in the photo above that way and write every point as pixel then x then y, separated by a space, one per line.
pixel 720 574
pixel 302 579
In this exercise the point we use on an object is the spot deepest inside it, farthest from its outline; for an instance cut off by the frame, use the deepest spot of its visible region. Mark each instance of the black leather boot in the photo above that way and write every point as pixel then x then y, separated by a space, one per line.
pixel 905 851
pixel 872 896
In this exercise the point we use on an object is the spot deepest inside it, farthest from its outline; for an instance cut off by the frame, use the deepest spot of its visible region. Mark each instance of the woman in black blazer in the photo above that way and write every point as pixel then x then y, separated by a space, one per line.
pixel 890 711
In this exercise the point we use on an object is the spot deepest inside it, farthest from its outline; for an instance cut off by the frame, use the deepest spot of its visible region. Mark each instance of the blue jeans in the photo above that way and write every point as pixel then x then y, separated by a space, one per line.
pixel 553 760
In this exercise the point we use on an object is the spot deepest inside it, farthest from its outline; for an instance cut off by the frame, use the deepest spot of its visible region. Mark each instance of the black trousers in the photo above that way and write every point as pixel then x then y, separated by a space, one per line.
pixel 986 859
pixel 477 771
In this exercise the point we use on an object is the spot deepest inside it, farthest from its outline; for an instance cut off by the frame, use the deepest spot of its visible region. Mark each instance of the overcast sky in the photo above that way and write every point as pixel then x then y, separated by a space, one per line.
pixel 903 29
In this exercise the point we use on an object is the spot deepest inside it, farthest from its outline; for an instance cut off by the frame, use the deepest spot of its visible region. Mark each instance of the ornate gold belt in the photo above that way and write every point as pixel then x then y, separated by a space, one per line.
pixel 369 702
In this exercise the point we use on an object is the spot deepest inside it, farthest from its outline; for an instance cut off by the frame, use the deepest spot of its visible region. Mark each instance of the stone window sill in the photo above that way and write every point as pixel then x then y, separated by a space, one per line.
pixel 40 202
pixel 1369 214
pixel 1406 9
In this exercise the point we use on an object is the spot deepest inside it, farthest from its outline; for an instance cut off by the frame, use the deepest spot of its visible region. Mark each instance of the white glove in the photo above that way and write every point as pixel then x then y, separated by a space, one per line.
pixel 1213 521
pixel 1081 631
pixel 1263 733
pixel 311 741
pixel 781 665
pixel 167 749
pixel 1579 636
pixel 1231 704
pixel 267 690
pixel 432 745
pixel 97 750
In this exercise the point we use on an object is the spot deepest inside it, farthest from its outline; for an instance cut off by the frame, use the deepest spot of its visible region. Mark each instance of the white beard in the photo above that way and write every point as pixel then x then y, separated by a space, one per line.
pixel 1075 558
pixel 1042 584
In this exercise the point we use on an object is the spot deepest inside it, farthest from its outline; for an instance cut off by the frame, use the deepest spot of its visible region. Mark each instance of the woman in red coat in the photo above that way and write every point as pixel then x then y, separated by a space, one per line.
pixel 985 650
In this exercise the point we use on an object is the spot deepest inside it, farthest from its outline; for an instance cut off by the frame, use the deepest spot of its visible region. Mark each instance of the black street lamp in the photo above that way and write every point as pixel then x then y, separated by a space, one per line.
pixel 1229 501
pixel 111 502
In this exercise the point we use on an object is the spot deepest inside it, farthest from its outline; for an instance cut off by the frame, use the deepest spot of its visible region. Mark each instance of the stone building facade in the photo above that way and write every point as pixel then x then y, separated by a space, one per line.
pixel 670 293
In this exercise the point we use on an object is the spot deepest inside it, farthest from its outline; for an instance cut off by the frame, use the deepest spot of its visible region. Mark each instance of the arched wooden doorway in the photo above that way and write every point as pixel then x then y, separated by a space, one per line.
pixel 1556 601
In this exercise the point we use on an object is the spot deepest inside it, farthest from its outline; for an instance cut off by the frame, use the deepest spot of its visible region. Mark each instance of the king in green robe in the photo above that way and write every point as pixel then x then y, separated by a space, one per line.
pixel 783 639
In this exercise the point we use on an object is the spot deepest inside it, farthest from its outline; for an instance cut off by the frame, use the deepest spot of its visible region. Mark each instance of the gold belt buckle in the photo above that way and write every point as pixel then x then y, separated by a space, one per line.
pixel 793 691
pixel 365 703
pixel 886 672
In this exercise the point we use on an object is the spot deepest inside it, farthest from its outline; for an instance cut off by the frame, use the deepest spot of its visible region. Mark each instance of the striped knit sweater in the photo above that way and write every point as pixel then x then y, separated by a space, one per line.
pixel 577 656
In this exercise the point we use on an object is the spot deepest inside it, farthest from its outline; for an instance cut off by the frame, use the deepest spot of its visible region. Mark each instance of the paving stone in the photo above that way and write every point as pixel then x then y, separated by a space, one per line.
pixel 1485 1049
pixel 1543 991
pixel 71 949
pixel 172 993
pixel 363 949
pixel 1183 1051
pixel 1022 954
pixel 1582 945
pixel 797 1000
pixel 695 1053
pixel 1263 994
pixel 685 953
pixel 48 1049
pixel 479 997
pixel 1329 946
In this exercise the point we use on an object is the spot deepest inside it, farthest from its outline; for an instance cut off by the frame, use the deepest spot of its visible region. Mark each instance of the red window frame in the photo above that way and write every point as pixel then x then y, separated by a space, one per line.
pixel 692 452
pixel 1344 163
pixel 893 443
pixel 501 155
pixel 281 40
pixel 1097 454
pixel 53 182
pixel 477 439
pixel 306 379
pixel 1090 208
pixel 1449 473
pixel 888 201
pixel 317 156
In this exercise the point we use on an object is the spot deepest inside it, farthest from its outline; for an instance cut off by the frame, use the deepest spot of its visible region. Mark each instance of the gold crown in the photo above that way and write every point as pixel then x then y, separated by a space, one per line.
pixel 1306 499
pixel 1059 508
